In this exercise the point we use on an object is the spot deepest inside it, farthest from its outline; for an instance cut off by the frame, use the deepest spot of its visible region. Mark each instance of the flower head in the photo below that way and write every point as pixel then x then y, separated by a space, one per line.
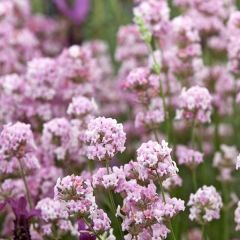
pixel 205 205
pixel 154 161
pixel 76 193
pixel 189 157
pixel 195 104
pixel 105 137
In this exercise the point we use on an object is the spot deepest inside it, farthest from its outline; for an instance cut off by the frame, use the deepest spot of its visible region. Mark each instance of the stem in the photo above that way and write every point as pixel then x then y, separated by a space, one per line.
pixel 194 179
pixel 225 212
pixel 156 136
pixel 193 138
pixel 216 131
pixel 204 235
pixel 91 229
pixel 172 232
pixel 113 206
pixel 193 143
pixel 166 113
pixel 164 200
pixel 203 232
pixel 162 191
pixel 29 199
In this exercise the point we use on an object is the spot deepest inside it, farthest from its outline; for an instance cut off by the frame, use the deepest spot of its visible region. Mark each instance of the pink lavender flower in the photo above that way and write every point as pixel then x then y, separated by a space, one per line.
pixel 186 61
pixel 101 222
pixel 188 157
pixel 141 82
pixel 155 15
pixel 81 107
pixel 76 64
pixel 205 205
pixel 17 143
pixel 225 161
pixel 195 105
pixel 237 217
pixel 130 44
pixel 55 215
pixel 143 207
pixel 11 188
pixel 75 193
pixel 16 139
pixel 100 52
pixel 42 183
pixel 172 182
pixel 39 77
pixel 208 16
pixel 105 137
pixel 51 210
pixel 154 161
pixel 233 47
pixel 111 180
pixel 56 137
pixel 152 117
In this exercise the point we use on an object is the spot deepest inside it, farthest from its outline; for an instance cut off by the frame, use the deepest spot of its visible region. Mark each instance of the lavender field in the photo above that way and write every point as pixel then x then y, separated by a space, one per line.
pixel 119 120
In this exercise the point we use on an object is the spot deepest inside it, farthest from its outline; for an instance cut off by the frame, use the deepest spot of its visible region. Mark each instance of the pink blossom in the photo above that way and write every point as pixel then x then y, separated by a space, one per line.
pixel 141 82
pixel 188 157
pixel 105 137
pixel 195 104
pixel 154 161
pixel 205 205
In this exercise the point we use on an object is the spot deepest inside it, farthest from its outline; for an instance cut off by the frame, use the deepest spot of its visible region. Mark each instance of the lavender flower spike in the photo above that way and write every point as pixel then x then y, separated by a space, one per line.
pixel 77 13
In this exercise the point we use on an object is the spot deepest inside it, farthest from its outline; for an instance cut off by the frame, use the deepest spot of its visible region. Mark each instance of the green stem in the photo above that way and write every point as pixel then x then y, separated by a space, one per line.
pixel 193 135
pixel 194 179
pixel 225 212
pixel 203 232
pixel 164 200
pixel 193 143
pixel 172 232
pixel 29 199
pixel 166 113
pixel 113 205
pixel 216 131
pixel 162 192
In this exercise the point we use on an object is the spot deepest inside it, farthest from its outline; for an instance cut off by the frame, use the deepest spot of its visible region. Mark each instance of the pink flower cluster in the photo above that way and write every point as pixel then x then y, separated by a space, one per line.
pixel 141 82
pixel 189 157
pixel 195 104
pixel 156 16
pixel 225 161
pixel 104 137
pixel 153 117
pixel 17 148
pixel 76 195
pixel 53 213
pixel 205 205
pixel 143 207
pixel 154 161
pixel 23 36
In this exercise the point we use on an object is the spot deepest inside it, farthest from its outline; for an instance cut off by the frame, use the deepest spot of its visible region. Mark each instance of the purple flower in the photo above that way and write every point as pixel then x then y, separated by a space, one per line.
pixel 84 234
pixel 77 13
pixel 22 217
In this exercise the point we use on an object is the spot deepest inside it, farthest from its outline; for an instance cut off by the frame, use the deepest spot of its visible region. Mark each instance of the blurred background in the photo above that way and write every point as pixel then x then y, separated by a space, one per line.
pixel 101 21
